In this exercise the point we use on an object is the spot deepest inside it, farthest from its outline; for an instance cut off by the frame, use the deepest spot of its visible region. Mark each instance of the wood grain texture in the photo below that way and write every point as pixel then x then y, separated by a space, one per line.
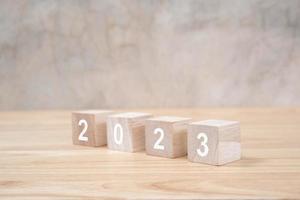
pixel 39 161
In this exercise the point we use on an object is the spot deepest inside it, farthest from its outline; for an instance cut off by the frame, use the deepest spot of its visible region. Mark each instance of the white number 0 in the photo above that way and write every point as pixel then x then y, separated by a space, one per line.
pixel 204 144
pixel 81 135
pixel 157 144
pixel 120 139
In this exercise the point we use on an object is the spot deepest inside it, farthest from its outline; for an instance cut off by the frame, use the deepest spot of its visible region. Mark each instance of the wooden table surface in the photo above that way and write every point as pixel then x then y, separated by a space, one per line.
pixel 38 161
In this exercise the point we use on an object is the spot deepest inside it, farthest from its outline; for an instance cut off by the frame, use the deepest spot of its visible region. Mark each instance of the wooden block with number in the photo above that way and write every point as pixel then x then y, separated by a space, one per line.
pixel 126 131
pixel 89 127
pixel 166 136
pixel 214 142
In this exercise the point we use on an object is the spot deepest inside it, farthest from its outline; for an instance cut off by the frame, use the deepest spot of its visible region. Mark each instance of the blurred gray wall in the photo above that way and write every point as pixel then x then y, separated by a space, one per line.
pixel 97 54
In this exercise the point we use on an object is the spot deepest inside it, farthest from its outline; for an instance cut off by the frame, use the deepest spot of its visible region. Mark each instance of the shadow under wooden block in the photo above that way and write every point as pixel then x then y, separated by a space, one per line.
pixel 89 127
pixel 214 142
pixel 166 136
pixel 126 131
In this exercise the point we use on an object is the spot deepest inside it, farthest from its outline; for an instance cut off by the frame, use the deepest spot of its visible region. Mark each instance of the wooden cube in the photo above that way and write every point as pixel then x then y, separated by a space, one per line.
pixel 214 142
pixel 166 136
pixel 126 131
pixel 89 127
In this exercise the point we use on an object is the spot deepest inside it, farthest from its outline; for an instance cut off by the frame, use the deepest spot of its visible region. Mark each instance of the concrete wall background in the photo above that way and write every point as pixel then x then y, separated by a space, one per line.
pixel 95 54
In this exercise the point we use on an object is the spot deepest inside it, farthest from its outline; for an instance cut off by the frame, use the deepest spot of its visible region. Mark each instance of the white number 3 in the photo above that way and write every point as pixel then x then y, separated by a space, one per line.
pixel 204 144
pixel 81 135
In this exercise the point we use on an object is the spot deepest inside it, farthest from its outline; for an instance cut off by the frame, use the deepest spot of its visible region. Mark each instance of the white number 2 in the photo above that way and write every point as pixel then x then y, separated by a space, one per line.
pixel 157 144
pixel 204 144
pixel 81 135
pixel 118 140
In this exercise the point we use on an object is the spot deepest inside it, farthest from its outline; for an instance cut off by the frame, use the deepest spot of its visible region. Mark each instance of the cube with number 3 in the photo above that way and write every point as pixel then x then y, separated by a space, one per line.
pixel 126 131
pixel 89 127
pixel 166 136
pixel 214 142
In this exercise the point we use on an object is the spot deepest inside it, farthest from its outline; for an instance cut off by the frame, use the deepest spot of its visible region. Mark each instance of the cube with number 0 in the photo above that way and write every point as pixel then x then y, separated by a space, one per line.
pixel 89 127
pixel 166 136
pixel 214 142
pixel 126 131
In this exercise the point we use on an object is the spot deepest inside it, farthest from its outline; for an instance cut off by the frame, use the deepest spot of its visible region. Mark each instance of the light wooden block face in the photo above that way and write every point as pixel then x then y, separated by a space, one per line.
pixel 89 127
pixel 214 142
pixel 166 136
pixel 126 131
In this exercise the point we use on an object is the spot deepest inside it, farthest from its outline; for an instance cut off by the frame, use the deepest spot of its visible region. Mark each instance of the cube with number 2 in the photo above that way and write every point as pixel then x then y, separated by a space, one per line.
pixel 89 127
pixel 166 136
pixel 214 142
